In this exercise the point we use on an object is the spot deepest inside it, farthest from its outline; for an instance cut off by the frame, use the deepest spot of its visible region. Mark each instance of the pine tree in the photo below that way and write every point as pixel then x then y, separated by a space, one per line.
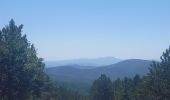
pixel 102 89
pixel 21 71
pixel 118 89
pixel 158 80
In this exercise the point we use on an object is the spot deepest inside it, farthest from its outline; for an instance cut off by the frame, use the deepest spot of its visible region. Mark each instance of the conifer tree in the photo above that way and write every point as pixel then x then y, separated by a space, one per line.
pixel 158 80
pixel 21 71
pixel 102 89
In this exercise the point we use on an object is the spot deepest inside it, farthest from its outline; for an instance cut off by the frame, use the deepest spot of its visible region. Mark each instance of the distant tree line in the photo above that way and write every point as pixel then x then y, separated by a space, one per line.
pixel 22 76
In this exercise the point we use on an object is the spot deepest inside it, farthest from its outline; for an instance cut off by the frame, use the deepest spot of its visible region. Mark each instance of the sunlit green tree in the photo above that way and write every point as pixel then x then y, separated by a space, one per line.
pixel 21 71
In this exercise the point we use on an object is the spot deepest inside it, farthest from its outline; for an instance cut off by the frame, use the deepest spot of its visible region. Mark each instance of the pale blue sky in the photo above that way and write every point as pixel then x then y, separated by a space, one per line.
pixel 67 29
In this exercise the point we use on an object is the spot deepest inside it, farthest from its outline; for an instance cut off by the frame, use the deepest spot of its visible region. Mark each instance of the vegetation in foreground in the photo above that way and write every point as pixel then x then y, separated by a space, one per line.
pixel 22 76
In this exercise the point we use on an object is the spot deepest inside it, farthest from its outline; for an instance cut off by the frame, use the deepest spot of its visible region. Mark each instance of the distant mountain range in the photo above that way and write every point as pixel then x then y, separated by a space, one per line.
pixel 83 63
pixel 75 74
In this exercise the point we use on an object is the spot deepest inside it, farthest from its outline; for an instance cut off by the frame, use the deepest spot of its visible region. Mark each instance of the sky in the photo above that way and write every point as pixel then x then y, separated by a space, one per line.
pixel 71 29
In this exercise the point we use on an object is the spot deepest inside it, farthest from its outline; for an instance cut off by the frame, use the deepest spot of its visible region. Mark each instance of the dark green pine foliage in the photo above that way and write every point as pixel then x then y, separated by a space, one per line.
pixel 158 79
pixel 102 89
pixel 55 92
pixel 127 86
pixel 21 71
pixel 118 89
pixel 136 86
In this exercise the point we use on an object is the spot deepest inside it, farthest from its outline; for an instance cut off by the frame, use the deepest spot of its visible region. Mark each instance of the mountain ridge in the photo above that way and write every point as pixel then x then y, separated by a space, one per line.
pixel 121 69
pixel 84 62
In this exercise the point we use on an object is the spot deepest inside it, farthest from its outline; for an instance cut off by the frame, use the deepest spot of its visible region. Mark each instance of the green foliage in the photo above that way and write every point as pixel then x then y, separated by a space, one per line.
pixel 22 74
pixel 158 80
pixel 55 92
pixel 21 71
pixel 102 89
pixel 127 89
pixel 154 86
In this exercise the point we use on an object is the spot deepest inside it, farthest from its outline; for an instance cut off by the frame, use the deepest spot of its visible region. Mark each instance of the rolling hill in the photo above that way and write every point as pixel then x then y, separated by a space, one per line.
pixel 72 74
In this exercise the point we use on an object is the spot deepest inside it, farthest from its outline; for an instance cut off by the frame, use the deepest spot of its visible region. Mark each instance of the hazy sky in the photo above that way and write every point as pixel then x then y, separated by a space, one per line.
pixel 66 29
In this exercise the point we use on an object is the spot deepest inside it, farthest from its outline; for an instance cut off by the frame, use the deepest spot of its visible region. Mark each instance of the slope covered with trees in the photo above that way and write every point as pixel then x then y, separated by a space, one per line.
pixel 153 86
pixel 72 75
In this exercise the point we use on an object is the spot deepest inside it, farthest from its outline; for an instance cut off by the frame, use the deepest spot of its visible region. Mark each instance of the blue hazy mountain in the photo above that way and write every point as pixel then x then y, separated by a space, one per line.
pixel 84 63
pixel 72 74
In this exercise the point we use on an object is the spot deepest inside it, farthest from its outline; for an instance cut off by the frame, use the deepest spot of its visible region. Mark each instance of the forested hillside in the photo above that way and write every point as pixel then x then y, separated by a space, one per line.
pixel 22 76
pixel 128 68
pixel 82 79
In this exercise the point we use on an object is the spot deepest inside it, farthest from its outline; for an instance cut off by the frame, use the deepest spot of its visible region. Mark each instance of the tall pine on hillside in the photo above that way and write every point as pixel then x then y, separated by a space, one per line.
pixel 158 80
pixel 21 71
